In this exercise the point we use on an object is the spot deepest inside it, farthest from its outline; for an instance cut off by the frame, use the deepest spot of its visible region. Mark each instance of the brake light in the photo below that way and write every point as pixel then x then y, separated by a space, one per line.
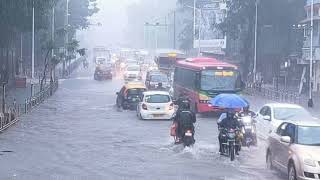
pixel 171 106
pixel 144 106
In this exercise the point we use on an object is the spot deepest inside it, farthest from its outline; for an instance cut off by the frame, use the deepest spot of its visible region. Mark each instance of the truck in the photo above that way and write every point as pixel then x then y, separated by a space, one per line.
pixel 101 55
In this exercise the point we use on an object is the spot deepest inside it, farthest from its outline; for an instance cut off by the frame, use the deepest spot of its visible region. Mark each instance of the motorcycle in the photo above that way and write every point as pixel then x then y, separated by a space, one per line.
pixel 230 146
pixel 248 130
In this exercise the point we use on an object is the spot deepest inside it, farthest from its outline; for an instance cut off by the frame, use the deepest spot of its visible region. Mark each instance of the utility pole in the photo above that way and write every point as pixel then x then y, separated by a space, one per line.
pixel 33 35
pixel 255 44
pixel 156 37
pixel 52 66
pixel 3 97
pixel 310 101
pixel 21 54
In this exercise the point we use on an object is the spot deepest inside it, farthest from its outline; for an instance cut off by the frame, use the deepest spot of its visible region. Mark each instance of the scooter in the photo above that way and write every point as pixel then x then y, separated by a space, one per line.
pixel 188 137
pixel 248 130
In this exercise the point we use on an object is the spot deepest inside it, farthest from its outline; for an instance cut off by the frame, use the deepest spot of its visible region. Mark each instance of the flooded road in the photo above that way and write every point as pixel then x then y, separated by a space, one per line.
pixel 80 134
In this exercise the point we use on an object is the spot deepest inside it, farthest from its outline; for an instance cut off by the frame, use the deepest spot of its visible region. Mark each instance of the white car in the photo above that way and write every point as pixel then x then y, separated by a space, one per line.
pixel 132 72
pixel 156 105
pixel 270 116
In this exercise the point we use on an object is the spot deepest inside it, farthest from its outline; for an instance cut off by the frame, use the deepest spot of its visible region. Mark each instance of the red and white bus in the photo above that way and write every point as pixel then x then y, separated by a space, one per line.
pixel 201 79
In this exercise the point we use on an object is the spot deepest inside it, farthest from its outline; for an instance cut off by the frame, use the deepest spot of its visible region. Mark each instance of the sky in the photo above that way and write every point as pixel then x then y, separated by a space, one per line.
pixel 113 17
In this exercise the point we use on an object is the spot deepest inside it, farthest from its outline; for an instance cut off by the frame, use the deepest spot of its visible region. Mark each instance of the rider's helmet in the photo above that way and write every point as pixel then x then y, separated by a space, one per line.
pixel 185 104
pixel 231 113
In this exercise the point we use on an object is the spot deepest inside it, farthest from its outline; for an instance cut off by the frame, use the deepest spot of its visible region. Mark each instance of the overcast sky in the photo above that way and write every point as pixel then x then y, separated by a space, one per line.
pixel 113 17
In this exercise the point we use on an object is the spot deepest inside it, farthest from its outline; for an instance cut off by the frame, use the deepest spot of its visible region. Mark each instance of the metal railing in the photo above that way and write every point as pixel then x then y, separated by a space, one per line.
pixel 276 95
pixel 14 111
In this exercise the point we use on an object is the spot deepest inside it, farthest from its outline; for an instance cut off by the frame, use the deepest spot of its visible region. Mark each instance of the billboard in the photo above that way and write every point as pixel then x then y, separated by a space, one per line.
pixel 208 15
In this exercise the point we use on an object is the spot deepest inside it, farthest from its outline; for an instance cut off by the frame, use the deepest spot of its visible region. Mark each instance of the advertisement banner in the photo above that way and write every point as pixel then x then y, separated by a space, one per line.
pixel 208 15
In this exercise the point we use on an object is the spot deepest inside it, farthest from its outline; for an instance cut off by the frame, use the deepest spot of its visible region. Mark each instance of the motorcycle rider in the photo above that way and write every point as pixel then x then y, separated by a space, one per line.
pixel 247 112
pixel 184 118
pixel 160 87
pixel 227 121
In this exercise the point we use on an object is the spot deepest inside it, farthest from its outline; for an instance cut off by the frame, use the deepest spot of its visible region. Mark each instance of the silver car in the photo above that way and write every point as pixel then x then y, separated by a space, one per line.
pixel 294 148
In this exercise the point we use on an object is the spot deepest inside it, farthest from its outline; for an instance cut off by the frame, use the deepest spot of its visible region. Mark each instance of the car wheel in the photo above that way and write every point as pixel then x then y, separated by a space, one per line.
pixel 269 161
pixel 292 174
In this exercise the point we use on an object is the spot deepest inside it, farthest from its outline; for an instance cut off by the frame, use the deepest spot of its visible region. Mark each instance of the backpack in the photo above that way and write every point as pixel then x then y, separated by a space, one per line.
pixel 186 118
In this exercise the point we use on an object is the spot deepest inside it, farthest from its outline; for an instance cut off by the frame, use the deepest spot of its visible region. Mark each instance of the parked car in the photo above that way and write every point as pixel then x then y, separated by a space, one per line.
pixel 294 148
pixel 132 72
pixel 130 95
pixel 154 78
pixel 155 105
pixel 270 116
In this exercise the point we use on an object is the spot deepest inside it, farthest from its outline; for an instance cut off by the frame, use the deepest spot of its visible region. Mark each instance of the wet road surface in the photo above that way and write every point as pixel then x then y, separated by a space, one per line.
pixel 80 134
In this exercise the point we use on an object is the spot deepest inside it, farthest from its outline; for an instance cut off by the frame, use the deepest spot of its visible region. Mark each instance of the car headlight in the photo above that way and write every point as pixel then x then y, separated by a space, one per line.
pixel 309 162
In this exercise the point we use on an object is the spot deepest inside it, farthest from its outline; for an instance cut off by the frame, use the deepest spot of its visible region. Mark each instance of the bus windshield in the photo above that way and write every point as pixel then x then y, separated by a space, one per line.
pixel 165 62
pixel 219 80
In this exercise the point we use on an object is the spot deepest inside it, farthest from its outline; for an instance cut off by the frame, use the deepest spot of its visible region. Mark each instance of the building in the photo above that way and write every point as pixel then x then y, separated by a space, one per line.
pixel 305 60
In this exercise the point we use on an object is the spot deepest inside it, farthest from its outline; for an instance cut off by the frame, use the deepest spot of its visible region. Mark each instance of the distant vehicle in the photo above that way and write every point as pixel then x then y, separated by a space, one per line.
pixel 153 79
pixel 130 95
pixel 201 79
pixel 131 62
pixel 270 116
pixel 294 149
pixel 101 51
pixel 166 59
pixel 155 105
pixel 102 72
pixel 132 72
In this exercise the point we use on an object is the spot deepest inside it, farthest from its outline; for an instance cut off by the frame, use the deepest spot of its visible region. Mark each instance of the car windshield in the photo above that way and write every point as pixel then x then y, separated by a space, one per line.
pixel 309 135
pixel 291 113
pixel 133 68
pixel 219 80
pixel 135 91
pixel 157 98
pixel 159 78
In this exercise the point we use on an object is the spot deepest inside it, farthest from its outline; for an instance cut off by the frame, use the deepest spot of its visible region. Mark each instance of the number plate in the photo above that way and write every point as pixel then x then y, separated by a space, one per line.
pixel 157 115
pixel 188 134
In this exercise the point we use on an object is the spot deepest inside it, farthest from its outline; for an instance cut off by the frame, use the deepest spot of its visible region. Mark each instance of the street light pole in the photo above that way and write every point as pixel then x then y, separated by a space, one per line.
pixel 200 22
pixel 33 35
pixel 174 29
pixel 310 102
pixel 156 37
pixel 255 44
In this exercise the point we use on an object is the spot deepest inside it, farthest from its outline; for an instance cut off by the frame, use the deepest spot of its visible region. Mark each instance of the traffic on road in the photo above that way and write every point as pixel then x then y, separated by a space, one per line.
pixel 126 129
pixel 160 90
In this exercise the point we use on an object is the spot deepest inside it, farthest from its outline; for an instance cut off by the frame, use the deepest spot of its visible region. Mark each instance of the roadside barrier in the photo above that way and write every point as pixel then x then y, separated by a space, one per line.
pixel 276 95
pixel 12 114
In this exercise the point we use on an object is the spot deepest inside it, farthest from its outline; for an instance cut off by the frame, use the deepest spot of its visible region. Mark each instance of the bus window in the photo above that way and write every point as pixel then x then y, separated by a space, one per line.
pixel 219 80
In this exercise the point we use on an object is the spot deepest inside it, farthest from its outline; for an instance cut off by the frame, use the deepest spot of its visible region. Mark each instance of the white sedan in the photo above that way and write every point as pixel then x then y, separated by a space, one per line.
pixel 270 116
pixel 132 72
pixel 156 105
